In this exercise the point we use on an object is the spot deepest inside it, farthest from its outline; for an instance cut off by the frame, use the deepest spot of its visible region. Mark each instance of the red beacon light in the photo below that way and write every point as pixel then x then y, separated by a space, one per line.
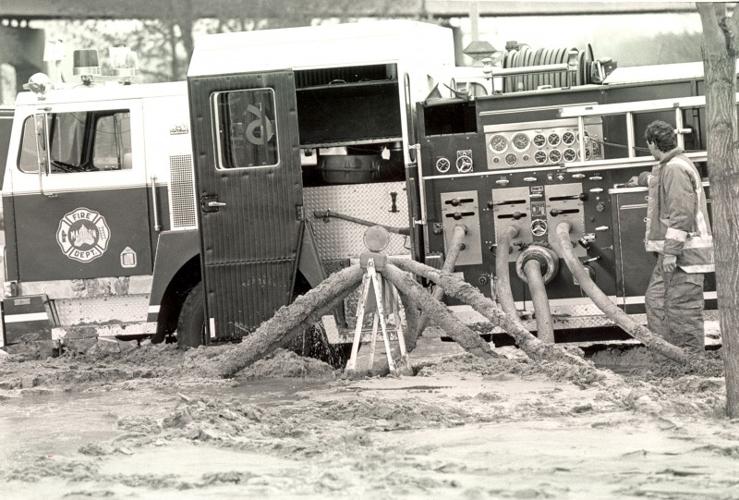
pixel 86 65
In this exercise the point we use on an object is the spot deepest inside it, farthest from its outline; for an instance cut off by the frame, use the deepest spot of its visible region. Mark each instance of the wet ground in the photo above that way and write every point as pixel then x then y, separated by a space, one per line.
pixel 144 424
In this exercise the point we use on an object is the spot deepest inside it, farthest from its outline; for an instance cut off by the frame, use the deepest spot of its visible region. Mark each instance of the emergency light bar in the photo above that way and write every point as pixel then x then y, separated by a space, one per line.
pixel 86 65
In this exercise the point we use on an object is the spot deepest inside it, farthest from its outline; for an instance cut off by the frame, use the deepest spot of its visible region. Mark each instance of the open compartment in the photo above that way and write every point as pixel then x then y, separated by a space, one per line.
pixel 350 125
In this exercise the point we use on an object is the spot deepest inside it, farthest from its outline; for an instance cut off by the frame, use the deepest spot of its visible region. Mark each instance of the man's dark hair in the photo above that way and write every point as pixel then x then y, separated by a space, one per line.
pixel 662 135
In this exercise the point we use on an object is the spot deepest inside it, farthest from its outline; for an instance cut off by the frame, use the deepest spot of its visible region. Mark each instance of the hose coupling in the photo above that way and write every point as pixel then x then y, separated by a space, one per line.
pixel 547 259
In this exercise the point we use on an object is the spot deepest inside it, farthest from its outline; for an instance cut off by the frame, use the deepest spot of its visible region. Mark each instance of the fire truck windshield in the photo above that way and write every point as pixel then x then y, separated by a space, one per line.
pixel 78 142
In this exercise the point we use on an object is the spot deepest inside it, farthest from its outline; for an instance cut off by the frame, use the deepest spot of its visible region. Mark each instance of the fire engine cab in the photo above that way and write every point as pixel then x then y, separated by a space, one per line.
pixel 200 207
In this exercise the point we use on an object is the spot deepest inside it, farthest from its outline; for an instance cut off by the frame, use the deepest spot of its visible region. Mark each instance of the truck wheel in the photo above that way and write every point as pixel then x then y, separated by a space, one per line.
pixel 191 323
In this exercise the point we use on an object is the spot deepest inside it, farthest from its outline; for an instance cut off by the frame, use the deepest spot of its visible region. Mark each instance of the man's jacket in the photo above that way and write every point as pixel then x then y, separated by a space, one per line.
pixel 677 213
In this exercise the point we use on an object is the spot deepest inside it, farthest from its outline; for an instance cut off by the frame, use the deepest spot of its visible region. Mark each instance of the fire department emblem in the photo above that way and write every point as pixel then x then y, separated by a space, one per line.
pixel 83 235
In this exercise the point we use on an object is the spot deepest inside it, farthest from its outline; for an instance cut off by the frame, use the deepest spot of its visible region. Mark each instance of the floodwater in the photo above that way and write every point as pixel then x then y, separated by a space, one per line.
pixel 461 428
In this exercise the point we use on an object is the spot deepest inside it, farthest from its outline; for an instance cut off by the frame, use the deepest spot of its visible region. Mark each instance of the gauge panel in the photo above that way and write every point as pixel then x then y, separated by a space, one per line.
pixel 540 144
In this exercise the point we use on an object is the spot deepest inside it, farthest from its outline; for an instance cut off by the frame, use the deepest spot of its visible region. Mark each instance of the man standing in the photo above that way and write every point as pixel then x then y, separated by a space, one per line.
pixel 678 231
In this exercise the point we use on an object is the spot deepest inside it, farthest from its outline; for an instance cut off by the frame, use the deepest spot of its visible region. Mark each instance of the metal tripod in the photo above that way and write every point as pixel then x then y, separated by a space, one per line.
pixel 374 279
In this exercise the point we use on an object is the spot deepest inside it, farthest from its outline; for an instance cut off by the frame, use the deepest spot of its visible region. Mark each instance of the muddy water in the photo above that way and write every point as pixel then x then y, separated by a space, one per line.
pixel 463 429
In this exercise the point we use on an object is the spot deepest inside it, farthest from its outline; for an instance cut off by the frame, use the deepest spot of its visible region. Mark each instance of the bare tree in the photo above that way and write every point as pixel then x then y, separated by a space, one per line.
pixel 719 63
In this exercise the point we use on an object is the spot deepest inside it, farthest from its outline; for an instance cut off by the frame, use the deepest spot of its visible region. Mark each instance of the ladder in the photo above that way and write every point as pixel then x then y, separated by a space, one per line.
pixel 629 109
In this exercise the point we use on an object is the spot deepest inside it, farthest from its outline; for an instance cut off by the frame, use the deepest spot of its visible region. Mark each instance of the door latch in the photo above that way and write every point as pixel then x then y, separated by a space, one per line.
pixel 209 203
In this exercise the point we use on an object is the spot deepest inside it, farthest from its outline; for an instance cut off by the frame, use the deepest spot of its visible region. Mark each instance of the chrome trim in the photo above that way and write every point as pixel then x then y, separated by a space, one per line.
pixel 630 189
pixel 631 145
pixel 679 126
pixel 494 172
pixel 619 163
pixel 421 187
pixel 155 205
pixel 526 70
pixel 636 189
pixel 573 110
pixel 527 110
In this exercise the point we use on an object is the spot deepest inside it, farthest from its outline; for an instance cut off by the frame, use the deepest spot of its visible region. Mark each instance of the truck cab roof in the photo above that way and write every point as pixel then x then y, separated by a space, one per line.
pixel 104 91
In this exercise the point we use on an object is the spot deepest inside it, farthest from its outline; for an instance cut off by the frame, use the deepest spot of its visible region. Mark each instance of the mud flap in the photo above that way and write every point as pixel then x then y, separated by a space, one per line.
pixel 310 264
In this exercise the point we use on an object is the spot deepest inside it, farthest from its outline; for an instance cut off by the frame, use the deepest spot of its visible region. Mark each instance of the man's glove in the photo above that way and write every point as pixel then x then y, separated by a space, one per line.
pixel 669 263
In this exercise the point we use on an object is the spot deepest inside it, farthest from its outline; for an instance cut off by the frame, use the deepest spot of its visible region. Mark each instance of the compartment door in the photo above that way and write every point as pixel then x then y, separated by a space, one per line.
pixel 249 184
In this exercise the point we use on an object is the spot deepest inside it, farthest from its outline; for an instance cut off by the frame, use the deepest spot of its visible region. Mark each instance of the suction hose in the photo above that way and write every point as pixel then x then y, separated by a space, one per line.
pixel 455 247
pixel 537 287
pixel 502 276
pixel 563 245
pixel 529 267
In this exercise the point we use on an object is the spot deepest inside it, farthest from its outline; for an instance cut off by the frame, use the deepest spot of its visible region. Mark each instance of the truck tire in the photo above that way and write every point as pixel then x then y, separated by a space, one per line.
pixel 191 323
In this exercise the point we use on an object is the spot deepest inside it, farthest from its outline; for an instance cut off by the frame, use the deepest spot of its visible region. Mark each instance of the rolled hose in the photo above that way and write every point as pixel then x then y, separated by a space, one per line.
pixel 563 247
pixel 455 247
pixel 544 329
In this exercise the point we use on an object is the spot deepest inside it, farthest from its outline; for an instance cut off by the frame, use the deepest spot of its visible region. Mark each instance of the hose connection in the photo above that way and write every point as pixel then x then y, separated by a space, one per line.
pixel 547 259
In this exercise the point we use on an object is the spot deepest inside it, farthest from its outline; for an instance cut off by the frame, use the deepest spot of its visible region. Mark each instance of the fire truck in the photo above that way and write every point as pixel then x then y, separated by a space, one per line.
pixel 198 208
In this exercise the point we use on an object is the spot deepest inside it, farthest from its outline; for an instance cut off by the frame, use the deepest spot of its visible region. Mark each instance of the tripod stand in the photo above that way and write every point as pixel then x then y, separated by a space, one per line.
pixel 370 263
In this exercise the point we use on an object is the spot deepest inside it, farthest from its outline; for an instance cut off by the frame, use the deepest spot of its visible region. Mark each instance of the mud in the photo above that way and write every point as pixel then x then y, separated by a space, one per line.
pixel 150 423
pixel 285 363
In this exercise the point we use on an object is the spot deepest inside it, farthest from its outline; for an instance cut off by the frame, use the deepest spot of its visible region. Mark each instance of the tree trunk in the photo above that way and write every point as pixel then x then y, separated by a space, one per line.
pixel 719 64
pixel 183 15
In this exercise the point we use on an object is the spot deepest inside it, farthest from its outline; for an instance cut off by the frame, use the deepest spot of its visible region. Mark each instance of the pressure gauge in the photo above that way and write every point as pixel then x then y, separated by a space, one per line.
pixel 568 138
pixel 443 165
pixel 521 141
pixel 569 154
pixel 498 143
pixel 540 140
pixel 555 156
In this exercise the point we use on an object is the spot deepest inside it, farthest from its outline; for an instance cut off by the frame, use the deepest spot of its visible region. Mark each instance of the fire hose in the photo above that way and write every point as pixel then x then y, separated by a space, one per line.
pixel 502 277
pixel 455 247
pixel 563 245
pixel 531 268
pixel 326 214
pixel 537 287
